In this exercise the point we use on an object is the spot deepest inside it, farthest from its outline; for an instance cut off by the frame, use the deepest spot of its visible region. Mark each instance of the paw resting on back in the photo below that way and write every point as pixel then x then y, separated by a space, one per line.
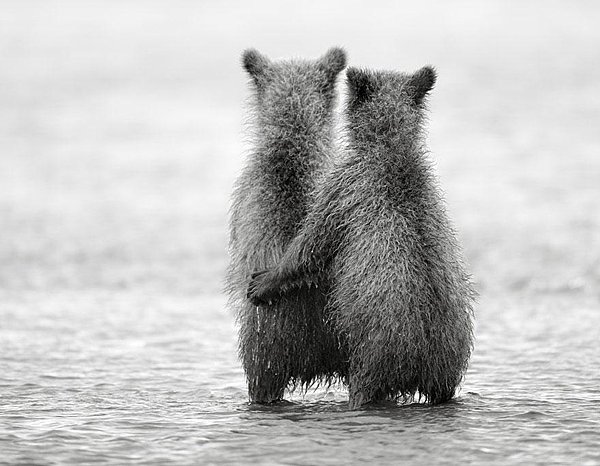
pixel 261 291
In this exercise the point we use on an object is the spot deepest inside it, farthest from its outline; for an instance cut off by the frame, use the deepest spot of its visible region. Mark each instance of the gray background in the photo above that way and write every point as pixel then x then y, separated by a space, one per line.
pixel 121 132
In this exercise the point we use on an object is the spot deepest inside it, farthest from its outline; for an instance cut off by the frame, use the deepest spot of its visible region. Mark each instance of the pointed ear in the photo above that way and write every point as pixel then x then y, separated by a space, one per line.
pixel 422 82
pixel 360 85
pixel 333 62
pixel 256 65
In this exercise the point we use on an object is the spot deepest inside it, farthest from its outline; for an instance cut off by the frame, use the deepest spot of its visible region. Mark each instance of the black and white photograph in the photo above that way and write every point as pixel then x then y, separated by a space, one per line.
pixel 299 233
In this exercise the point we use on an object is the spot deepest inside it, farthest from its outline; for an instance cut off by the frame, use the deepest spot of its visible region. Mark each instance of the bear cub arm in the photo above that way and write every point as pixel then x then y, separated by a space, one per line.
pixel 299 267
pixel 306 259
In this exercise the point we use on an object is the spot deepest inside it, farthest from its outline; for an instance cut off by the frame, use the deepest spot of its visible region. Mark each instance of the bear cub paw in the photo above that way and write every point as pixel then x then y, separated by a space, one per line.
pixel 263 289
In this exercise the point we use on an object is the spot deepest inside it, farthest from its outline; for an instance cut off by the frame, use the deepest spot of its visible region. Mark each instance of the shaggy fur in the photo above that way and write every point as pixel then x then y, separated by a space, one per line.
pixel 289 343
pixel 377 236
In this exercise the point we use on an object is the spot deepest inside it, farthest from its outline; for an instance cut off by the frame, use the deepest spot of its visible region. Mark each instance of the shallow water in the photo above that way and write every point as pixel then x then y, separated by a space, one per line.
pixel 120 138
pixel 121 377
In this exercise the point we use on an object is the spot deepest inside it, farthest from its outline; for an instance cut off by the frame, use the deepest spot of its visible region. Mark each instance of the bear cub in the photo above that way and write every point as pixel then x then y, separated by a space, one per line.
pixel 378 238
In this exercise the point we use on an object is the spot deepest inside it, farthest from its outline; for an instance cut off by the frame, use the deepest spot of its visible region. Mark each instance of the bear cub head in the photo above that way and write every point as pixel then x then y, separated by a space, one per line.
pixel 295 94
pixel 388 104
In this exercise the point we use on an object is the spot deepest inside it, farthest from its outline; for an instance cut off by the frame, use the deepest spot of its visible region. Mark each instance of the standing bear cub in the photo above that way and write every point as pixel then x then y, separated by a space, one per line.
pixel 293 122
pixel 378 238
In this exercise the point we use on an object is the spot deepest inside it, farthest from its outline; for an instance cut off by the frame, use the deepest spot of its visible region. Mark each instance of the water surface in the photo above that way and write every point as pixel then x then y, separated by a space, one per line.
pixel 95 377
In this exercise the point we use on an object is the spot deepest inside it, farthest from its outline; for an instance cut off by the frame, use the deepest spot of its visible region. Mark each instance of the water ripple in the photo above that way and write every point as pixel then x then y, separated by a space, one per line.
pixel 152 399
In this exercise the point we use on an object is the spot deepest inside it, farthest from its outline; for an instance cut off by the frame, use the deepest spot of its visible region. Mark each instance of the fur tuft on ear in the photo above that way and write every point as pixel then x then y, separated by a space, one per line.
pixel 422 82
pixel 333 62
pixel 360 85
pixel 255 63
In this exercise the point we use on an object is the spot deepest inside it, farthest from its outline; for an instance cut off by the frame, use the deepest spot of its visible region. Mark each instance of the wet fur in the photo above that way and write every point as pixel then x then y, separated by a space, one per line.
pixel 378 238
pixel 287 344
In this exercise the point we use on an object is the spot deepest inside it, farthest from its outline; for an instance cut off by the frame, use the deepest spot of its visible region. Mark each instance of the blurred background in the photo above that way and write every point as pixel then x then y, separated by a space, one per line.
pixel 121 133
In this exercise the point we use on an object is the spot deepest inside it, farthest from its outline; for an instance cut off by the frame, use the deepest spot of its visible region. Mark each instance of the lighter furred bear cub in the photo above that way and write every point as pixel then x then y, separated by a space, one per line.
pixel 293 115
pixel 378 237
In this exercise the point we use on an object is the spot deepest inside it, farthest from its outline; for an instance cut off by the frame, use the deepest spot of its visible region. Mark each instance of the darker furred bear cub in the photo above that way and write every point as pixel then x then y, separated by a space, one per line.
pixel 293 139
pixel 377 236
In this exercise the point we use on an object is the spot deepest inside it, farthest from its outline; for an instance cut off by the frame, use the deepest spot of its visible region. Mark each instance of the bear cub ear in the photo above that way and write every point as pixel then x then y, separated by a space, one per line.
pixel 255 64
pixel 333 62
pixel 360 85
pixel 422 82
